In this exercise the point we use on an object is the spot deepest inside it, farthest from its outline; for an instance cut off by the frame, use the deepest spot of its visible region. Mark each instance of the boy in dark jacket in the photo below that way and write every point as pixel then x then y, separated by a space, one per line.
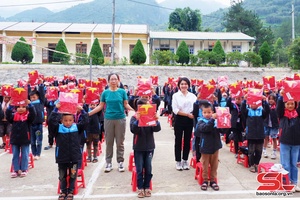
pixel 67 150
pixel 210 143
pixel 143 146
pixel 254 116
pixel 37 98
pixel 21 121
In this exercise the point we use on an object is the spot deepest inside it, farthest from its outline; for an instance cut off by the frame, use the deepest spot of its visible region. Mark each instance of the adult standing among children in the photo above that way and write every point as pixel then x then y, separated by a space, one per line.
pixel 182 106
pixel 115 101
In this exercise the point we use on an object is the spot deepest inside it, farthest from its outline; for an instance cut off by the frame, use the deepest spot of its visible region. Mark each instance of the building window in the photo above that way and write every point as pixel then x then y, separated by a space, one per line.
pixel 210 47
pixel 164 47
pixel 131 47
pixel 172 50
pixel 191 49
pixel 157 49
pixel 81 48
pixel 106 50
pixel 237 48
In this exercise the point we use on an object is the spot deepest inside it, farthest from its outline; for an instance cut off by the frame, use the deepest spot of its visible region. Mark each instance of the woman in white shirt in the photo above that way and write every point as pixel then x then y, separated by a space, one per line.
pixel 182 104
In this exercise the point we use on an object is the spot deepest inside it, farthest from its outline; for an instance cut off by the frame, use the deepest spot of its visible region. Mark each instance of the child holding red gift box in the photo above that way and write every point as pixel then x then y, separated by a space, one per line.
pixel 210 143
pixel 67 150
pixel 21 121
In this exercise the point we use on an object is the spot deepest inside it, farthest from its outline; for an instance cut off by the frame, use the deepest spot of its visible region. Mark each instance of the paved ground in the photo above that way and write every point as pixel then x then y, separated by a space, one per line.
pixel 235 181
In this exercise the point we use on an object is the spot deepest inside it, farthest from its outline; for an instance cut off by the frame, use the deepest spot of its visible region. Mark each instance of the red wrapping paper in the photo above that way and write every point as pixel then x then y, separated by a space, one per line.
pixel 22 83
pixel 71 86
pixel 63 88
pixel 99 85
pixel 154 80
pixel 235 90
pixel 200 82
pixel 103 81
pixel 223 81
pixel 79 92
pixel 291 90
pixel 6 90
pixel 258 85
pixel 170 80
pixel 193 81
pixel 68 103
pixel 269 82
pixel 52 94
pixel 206 91
pixel 18 96
pixel 212 82
pixel 33 77
pixel 92 95
pixel 88 83
pixel 49 79
pixel 147 115
pixel 296 76
pixel 144 87
pixel 223 117
pixel 254 96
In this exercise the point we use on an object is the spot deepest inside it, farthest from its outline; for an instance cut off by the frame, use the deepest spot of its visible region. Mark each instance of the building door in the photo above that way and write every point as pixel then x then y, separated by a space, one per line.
pixel 45 55
pixel 50 53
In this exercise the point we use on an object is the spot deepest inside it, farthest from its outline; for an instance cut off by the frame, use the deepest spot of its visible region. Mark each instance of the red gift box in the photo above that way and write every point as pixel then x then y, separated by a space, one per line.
pixel 49 79
pixel 81 86
pixel 6 90
pixel 92 95
pixel 68 102
pixel 200 82
pixel 144 87
pixel 71 86
pixel 206 91
pixel 103 81
pixel 52 94
pixel 98 84
pixel 258 85
pixel 254 96
pixel 147 115
pixel 88 83
pixel 212 82
pixel 154 80
pixel 79 92
pixel 223 117
pixel 291 90
pixel 235 90
pixel 33 77
pixel 81 81
pixel 296 76
pixel 18 96
pixel 193 81
pixel 279 83
pixel 22 83
pixel 170 80
pixel 63 88
pixel 269 82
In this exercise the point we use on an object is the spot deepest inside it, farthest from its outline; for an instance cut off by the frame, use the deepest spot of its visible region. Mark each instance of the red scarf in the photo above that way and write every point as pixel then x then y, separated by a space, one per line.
pixel 21 117
pixel 290 114
pixel 273 107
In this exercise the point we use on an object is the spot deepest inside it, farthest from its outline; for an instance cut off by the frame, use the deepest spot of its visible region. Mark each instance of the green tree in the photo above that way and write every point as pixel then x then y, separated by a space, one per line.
pixel 185 19
pixel 265 53
pixel 63 57
pixel 22 52
pixel 183 53
pixel 193 59
pixel 138 55
pixel 252 58
pixel 294 54
pixel 203 57
pixel 234 57
pixel 218 55
pixel 280 54
pixel 164 57
pixel 237 19
pixel 96 53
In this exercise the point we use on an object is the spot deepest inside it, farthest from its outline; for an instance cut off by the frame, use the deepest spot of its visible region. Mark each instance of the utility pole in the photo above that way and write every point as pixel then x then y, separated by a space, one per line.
pixel 293 22
pixel 113 33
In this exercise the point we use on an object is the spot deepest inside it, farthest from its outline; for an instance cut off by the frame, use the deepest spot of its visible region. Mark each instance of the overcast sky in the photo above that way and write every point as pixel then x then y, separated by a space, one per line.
pixel 11 7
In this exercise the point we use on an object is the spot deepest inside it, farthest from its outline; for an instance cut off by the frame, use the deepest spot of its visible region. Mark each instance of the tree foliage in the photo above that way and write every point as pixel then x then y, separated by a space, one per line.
pixel 294 54
pixel 252 58
pixel 238 19
pixel 203 57
pixel 280 54
pixel 218 53
pixel 185 19
pixel 61 57
pixel 138 55
pixel 234 57
pixel 164 57
pixel 96 53
pixel 22 52
pixel 183 53
pixel 265 53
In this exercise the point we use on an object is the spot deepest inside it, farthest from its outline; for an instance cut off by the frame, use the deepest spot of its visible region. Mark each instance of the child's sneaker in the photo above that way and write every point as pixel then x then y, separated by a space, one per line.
pixel 141 193
pixel 121 167
pixel 185 165
pixel 147 193
pixel 23 174
pixel 108 167
pixel 265 154
pixel 179 166
pixel 89 159
pixel 95 160
pixel 273 155
pixel 14 175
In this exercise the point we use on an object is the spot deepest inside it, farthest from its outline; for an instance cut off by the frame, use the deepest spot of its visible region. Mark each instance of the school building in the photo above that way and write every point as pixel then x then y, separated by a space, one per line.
pixel 80 37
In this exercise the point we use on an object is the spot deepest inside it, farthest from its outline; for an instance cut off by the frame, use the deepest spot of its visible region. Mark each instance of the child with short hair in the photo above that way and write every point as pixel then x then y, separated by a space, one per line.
pixel 93 132
pixel 210 143
pixel 271 127
pixel 143 146
pixel 67 150
pixel 254 116
pixel 21 121
pixel 289 124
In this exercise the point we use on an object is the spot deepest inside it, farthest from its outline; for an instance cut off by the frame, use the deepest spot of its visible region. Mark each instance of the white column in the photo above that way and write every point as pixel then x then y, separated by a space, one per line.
pixel 120 46
pixel 34 47
pixel 4 49
pixel 92 40
pixel 63 36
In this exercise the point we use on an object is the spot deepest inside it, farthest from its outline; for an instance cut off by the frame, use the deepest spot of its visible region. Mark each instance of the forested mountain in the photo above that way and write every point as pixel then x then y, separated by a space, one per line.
pixel 35 14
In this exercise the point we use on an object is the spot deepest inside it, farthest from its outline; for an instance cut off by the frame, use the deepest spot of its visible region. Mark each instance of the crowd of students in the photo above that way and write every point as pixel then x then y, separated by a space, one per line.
pixel 193 118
